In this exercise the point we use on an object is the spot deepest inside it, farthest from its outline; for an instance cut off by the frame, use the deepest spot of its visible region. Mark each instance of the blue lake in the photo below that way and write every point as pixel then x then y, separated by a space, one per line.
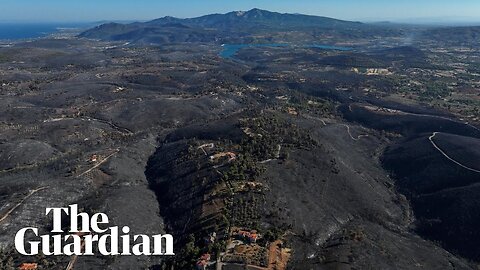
pixel 229 50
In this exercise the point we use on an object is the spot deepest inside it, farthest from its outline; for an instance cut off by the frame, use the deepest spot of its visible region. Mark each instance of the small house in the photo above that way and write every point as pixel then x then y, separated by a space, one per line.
pixel 205 257
pixel 93 158
pixel 253 237
pixel 28 266
pixel 201 265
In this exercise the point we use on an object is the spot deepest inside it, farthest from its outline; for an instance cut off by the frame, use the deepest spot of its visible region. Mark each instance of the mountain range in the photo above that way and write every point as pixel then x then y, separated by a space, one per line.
pixel 262 26
pixel 227 27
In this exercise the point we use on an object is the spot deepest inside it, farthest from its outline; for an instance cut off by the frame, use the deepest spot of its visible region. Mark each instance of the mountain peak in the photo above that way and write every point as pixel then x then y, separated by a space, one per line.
pixel 240 13
pixel 257 10
pixel 254 11
pixel 164 20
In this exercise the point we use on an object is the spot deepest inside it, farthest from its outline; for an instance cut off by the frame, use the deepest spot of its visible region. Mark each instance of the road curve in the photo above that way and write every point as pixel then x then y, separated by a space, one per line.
pixel 350 134
pixel 447 156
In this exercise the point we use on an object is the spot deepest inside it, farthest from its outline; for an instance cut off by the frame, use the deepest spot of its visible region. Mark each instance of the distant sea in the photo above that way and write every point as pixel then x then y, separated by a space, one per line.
pixel 16 31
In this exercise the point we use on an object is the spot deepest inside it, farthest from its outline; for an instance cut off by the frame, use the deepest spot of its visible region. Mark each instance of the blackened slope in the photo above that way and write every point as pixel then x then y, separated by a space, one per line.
pixel 443 193
pixel 175 181
pixel 333 199
pixel 409 124
pixel 465 150
pixel 422 169
pixel 217 130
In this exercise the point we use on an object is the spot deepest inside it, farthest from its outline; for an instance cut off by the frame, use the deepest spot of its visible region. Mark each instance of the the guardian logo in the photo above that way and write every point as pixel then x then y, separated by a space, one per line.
pixel 90 238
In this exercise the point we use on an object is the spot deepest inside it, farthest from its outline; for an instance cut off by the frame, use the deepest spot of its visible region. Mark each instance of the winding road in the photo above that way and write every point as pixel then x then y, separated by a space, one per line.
pixel 447 156
pixel 315 118
pixel 347 126
pixel 350 134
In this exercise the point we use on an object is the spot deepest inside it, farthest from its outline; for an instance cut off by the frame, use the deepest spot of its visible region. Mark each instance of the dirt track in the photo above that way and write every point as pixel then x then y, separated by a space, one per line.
pixel 21 202
pixel 447 156
pixel 98 164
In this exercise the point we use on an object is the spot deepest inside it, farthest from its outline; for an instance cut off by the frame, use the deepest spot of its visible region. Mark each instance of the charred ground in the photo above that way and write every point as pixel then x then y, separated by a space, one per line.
pixel 281 157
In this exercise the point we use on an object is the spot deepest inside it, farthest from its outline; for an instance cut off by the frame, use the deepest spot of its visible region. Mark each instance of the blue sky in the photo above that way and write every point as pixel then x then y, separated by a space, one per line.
pixel 365 10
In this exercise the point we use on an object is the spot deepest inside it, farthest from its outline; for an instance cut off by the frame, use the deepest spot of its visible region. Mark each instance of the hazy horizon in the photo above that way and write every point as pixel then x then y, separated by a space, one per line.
pixel 408 11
